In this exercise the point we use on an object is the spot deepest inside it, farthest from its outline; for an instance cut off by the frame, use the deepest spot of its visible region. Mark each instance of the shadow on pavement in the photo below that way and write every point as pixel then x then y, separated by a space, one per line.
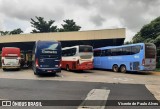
pixel 48 75
pixel 128 72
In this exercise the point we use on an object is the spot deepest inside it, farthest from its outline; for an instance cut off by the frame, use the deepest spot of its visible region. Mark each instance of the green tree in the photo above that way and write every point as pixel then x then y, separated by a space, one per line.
pixel 3 33
pixel 16 31
pixel 42 26
pixel 149 33
pixel 69 25
pixel 128 42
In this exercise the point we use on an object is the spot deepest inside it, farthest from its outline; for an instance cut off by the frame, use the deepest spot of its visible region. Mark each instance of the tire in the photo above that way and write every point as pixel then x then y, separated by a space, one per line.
pixel 67 67
pixel 18 69
pixel 123 69
pixel 4 69
pixel 35 73
pixel 115 68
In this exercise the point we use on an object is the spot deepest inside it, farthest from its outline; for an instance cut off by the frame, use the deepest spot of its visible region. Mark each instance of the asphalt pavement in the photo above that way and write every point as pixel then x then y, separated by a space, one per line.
pixel 24 89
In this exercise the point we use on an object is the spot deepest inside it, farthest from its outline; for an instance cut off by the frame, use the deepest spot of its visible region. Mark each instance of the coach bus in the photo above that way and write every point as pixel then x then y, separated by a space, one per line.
pixel 133 57
pixel 77 57
pixel 10 58
pixel 46 57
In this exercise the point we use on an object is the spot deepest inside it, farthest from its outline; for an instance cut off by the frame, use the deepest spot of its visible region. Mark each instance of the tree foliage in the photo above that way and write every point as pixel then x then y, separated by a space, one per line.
pixel 69 25
pixel 42 26
pixel 149 33
pixel 15 31
pixel 3 33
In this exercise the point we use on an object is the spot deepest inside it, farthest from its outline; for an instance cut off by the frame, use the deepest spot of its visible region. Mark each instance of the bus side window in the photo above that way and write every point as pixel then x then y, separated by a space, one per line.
pixel 108 52
pixel 63 53
pixel 73 51
pixel 114 52
pixel 135 49
pixel 118 51
pixel 103 53
pixel 126 50
pixel 97 53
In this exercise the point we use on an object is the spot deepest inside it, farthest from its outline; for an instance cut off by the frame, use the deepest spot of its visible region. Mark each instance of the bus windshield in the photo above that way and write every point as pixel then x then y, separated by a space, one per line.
pixel 150 51
pixel 85 49
pixel 49 48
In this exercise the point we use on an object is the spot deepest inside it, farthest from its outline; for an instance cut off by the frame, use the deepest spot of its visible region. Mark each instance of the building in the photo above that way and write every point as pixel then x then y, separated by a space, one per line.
pixel 96 38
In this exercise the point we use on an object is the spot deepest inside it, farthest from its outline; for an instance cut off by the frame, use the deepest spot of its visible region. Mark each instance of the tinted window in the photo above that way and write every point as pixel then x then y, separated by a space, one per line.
pixel 108 52
pixel 103 53
pixel 69 52
pixel 97 53
pixel 85 49
pixel 48 45
pixel 120 51
pixel 48 48
pixel 150 51
pixel 135 49
pixel 113 51
pixel 126 51
pixel 116 51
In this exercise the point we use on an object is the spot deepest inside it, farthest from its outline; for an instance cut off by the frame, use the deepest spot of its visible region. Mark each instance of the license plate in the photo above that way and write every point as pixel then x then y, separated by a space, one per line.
pixel 49 71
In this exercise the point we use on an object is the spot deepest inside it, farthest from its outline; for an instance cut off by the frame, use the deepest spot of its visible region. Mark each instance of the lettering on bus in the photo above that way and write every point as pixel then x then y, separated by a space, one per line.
pixel 48 51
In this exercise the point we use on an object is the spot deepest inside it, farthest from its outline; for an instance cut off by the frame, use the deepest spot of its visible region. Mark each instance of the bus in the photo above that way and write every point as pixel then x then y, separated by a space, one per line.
pixel 78 57
pixel 10 58
pixel 133 57
pixel 46 57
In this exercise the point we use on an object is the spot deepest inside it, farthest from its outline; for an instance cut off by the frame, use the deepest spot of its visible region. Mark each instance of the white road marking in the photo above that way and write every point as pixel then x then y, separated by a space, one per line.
pixel 96 94
pixel 123 79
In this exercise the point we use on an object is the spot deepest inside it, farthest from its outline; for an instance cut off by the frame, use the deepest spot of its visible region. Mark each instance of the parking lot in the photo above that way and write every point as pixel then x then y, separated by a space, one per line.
pixel 149 79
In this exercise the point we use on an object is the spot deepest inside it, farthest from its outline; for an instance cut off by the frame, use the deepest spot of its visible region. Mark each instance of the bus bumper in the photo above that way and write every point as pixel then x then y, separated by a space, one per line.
pixel 43 71
pixel 147 68
pixel 10 67
pixel 85 67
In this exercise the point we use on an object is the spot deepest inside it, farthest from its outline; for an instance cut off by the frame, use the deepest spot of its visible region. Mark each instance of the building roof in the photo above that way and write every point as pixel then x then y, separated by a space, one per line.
pixel 66 36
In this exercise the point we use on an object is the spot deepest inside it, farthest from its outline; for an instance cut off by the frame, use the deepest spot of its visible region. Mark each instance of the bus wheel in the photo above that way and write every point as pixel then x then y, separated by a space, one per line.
pixel 115 68
pixel 35 73
pixel 4 69
pixel 123 69
pixel 67 67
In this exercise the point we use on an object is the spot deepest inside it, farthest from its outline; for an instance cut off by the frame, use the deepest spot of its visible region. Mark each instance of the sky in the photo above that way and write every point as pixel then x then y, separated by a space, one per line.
pixel 89 14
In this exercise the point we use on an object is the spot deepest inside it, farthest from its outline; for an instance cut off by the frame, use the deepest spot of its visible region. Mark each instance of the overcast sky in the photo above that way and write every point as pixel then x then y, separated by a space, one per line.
pixel 89 14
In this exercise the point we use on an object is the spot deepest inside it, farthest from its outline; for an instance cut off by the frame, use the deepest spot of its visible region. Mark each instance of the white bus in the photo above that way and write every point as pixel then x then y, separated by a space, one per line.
pixel 10 58
pixel 77 57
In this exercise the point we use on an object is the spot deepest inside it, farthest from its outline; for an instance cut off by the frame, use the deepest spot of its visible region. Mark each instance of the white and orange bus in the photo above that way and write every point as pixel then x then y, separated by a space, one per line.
pixel 10 58
pixel 77 57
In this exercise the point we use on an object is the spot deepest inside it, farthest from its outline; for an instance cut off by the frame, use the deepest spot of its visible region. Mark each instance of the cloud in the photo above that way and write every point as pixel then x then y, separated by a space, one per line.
pixel 26 9
pixel 97 20
pixel 89 14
